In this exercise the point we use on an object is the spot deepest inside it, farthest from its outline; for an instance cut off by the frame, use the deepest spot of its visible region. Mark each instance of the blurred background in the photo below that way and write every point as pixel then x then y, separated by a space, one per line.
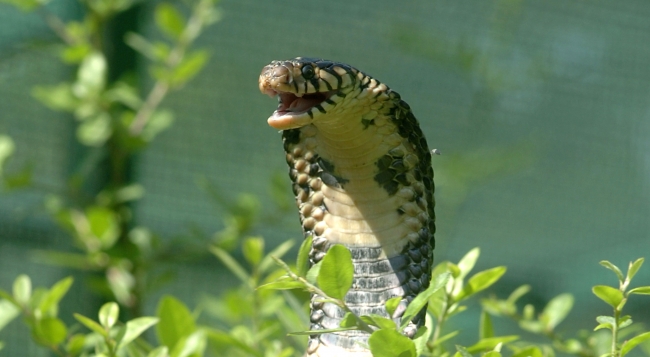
pixel 539 108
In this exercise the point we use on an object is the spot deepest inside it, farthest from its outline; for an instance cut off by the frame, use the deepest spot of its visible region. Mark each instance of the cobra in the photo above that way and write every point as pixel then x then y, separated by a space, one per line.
pixel 361 172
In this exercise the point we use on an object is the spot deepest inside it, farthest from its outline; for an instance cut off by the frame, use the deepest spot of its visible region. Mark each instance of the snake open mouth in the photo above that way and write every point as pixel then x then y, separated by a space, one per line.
pixel 295 110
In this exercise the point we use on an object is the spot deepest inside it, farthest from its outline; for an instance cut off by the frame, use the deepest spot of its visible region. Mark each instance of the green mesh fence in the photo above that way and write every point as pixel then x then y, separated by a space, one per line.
pixel 540 110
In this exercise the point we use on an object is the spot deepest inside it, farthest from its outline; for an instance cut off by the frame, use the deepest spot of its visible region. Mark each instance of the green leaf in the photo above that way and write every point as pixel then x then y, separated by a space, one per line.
pixel 95 130
pixel 641 290
pixel 94 326
pixel 104 224
pixel 55 294
pixel 418 303
pixel 605 322
pixel 75 344
pixel 59 97
pixel 76 53
pixel 283 283
pixel 485 329
pixel 8 312
pixel 608 294
pixel 50 331
pixel 135 327
pixel 634 268
pixel 466 263
pixel 176 321
pixel 423 336
pixel 490 343
pixel 348 320
pixel 91 76
pixel 189 345
pixel 556 310
pixel 335 277
pixel 278 252
pixel 480 281
pixel 161 351
pixel 530 351
pixel 253 248
pixel 231 264
pixel 169 20
pixel 108 315
pixel 189 67
pixel 462 352
pixel 302 262
pixel 159 121
pixel 445 338
pixel 613 268
pixel 221 338
pixel 624 322
pixel 320 332
pixel 633 342
pixel 392 304
pixel 20 179
pixel 379 321
pixel 518 293
pixel 25 5
pixel 22 290
pixel 7 148
pixel 390 343
pixel 313 272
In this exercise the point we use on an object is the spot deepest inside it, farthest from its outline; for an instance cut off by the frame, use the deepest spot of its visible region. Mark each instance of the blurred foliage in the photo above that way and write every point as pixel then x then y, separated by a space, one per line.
pixel 114 122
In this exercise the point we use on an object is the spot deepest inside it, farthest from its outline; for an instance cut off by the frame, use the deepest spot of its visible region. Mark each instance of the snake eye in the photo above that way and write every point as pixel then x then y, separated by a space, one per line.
pixel 308 71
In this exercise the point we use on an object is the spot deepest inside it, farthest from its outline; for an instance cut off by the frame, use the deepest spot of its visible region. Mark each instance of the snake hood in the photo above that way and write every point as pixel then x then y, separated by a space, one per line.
pixel 360 170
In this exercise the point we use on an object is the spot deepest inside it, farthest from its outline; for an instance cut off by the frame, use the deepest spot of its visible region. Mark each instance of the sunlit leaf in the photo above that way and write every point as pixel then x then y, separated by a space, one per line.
pixel 90 324
pixel 302 262
pixel 379 321
pixel 445 338
pixel 22 289
pixel 392 304
pixel 176 321
pixel 104 224
pixel 490 343
pixel 348 320
pixel 556 310
pixel 161 351
pixel 283 283
pixel 8 312
pixel 421 299
pixel 91 76
pixel 335 276
pixel 462 351
pixel 480 281
pixel 423 336
pixel 320 332
pixel 190 345
pixel 608 294
pixel 135 327
pixel 613 268
pixel 390 343
pixel 169 20
pixel 222 338
pixel 313 272
pixel 57 97
pixel 633 342
pixel 55 294
pixel 641 290
pixel 7 148
pixel 605 322
pixel 531 351
pixel 518 293
pixel 467 262
pixel 634 268
pixel 108 315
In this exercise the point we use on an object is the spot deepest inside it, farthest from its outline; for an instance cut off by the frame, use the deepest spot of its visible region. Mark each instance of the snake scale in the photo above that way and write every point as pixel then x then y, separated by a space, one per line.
pixel 361 172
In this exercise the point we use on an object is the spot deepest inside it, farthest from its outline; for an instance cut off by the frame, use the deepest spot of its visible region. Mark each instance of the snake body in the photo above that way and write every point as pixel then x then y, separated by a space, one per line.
pixel 361 172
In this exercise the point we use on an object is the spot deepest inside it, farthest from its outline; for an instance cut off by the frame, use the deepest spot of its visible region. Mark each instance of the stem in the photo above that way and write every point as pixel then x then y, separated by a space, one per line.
pixel 617 314
pixel 161 87
pixel 315 290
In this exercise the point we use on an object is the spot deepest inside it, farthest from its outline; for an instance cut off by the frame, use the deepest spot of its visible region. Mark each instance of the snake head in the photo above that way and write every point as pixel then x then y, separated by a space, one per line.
pixel 307 88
